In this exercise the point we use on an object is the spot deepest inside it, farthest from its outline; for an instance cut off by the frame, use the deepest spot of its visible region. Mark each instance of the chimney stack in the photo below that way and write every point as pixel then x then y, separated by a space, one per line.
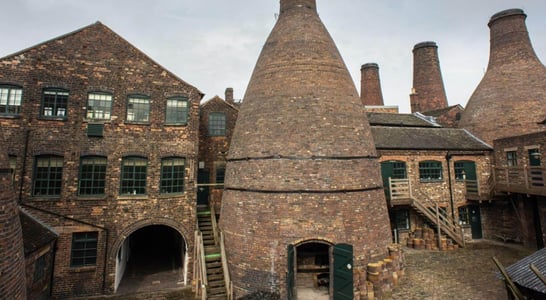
pixel 370 85
pixel 510 98
pixel 289 4
pixel 428 91
pixel 229 95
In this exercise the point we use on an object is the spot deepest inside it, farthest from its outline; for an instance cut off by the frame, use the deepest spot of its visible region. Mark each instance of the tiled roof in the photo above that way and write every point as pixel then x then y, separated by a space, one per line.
pixel 419 138
pixel 402 120
pixel 521 273
pixel 35 235
pixel 441 111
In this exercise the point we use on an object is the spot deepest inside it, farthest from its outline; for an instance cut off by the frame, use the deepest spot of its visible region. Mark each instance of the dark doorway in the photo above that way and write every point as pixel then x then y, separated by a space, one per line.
pixel 475 221
pixel 151 258
pixel 311 277
pixel 203 191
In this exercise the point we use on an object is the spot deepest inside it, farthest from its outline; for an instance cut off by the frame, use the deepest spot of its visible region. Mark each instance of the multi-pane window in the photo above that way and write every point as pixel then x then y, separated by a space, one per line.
pixel 138 108
pixel 177 111
pixel 459 171
pixel 84 249
pixel 398 170
pixel 430 170
pixel 12 166
pixel 511 158
pixel 172 175
pixel 48 173
pixel 401 219
pixel 220 172
pixel 99 106
pixel 133 176
pixel 217 124
pixel 40 268
pixel 92 176
pixel 10 100
pixel 463 215
pixel 534 157
pixel 54 103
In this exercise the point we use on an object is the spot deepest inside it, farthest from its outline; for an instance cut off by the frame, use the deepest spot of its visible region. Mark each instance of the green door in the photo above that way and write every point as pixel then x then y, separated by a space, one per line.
pixel 393 169
pixel 203 191
pixel 290 273
pixel 465 170
pixel 343 272
pixel 475 221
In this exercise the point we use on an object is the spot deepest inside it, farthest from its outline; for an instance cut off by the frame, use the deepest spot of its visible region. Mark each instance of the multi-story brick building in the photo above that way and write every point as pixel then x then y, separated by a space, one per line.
pixel 104 145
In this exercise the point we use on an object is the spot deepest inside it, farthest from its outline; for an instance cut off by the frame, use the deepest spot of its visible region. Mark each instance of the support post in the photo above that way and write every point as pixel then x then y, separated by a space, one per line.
pixel 438 227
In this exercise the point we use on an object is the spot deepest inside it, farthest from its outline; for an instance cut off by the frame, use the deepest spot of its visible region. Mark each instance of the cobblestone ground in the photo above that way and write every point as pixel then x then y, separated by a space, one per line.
pixel 467 273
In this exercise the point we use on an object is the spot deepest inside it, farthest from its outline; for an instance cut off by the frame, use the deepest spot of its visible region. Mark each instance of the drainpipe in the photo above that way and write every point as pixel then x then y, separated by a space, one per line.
pixel 23 173
pixel 448 159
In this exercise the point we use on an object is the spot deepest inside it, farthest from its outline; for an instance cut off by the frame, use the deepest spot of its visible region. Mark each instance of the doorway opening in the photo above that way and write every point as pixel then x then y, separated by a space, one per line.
pixel 313 271
pixel 151 258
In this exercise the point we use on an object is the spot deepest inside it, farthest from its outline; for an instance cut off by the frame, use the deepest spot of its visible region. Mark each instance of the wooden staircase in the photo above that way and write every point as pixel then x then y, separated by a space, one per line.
pixel 211 268
pixel 401 193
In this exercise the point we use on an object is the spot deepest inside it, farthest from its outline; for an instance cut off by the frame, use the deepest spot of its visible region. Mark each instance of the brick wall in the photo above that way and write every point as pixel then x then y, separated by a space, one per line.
pixel 428 91
pixel 96 59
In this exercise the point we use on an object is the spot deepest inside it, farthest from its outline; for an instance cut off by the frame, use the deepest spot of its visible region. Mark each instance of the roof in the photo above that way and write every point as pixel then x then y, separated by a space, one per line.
pixel 217 98
pixel 441 111
pixel 399 120
pixel 421 138
pixel 35 235
pixel 524 276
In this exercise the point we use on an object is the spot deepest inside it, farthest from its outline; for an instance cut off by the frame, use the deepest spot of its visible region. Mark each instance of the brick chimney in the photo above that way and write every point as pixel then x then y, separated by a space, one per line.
pixel 510 99
pixel 229 95
pixel 428 91
pixel 12 264
pixel 370 85
pixel 302 160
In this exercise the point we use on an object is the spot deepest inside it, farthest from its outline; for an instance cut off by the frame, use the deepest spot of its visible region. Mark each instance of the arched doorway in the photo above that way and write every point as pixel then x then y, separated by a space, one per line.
pixel 151 258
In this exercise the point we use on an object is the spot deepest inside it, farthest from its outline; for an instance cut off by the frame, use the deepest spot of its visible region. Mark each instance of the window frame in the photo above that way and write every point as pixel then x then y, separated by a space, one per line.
pixel 10 88
pixel 97 178
pixel 179 116
pixel 87 239
pixel 57 103
pixel 217 127
pixel 54 184
pixel 130 109
pixel 40 266
pixel 399 216
pixel 171 181
pixel 511 158
pixel 426 167
pixel 106 110
pixel 135 180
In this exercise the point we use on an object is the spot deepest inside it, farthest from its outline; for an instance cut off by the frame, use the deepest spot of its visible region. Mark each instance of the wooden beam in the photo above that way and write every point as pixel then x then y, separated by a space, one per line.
pixel 512 286
pixel 538 273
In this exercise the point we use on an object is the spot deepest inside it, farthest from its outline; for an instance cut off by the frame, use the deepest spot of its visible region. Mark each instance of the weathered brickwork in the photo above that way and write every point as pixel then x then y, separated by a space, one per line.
pixel 213 150
pixel 302 164
pixel 509 100
pixel 89 60
pixel 428 91
pixel 447 117
pixel 370 85
pixel 12 262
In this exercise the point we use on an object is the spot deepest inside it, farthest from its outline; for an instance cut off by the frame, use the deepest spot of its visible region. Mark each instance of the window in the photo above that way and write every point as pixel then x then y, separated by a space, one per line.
pixel 55 103
pixel 534 157
pixel 172 175
pixel 12 166
pixel 220 172
pixel 138 109
pixel 48 173
pixel 398 170
pixel 39 268
pixel 430 170
pixel 92 176
pixel 460 173
pixel 217 124
pixel 401 219
pixel 133 176
pixel 177 111
pixel 99 106
pixel 84 249
pixel 463 215
pixel 511 158
pixel 10 100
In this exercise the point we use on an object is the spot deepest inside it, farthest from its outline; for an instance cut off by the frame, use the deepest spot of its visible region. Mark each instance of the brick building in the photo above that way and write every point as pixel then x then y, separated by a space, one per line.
pixel 104 145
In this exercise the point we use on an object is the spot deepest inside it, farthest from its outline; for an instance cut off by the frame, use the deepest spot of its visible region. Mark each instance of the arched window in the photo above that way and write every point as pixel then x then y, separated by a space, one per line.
pixel 133 176
pixel 99 106
pixel 138 109
pixel 172 175
pixel 217 124
pixel 54 103
pixel 10 100
pixel 177 111
pixel 92 179
pixel 430 170
pixel 48 175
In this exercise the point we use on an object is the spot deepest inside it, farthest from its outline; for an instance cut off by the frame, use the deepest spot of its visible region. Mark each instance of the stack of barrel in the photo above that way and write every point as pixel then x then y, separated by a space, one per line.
pixel 426 239
pixel 383 275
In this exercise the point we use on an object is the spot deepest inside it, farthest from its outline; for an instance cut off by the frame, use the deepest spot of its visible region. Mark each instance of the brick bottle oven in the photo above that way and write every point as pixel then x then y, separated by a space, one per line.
pixel 303 185
pixel 511 97
pixel 370 85
pixel 428 91
pixel 12 259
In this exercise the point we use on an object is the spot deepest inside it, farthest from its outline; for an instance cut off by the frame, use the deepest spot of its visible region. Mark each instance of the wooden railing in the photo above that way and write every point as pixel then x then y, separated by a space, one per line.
pixel 214 225
pixel 227 279
pixel 530 180
pixel 200 268
pixel 400 190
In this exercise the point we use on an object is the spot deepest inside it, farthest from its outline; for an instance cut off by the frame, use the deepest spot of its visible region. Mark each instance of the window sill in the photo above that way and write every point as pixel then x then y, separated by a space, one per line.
pixel 132 197
pixel 45 118
pixel 91 197
pixel 137 123
pixel 83 269
pixel 97 121
pixel 176 124
pixel 10 116
pixel 431 180
pixel 173 195
pixel 45 198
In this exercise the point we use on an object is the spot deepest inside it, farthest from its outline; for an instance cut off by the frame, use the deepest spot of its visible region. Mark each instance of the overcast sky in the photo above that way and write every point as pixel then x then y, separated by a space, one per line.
pixel 214 44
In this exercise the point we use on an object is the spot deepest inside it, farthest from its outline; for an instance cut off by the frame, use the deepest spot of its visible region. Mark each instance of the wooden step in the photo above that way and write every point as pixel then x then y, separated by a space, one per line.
pixel 215 277
pixel 216 291
pixel 217 284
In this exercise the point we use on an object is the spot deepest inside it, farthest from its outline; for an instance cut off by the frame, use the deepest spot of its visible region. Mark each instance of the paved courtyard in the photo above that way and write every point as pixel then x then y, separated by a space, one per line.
pixel 467 273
